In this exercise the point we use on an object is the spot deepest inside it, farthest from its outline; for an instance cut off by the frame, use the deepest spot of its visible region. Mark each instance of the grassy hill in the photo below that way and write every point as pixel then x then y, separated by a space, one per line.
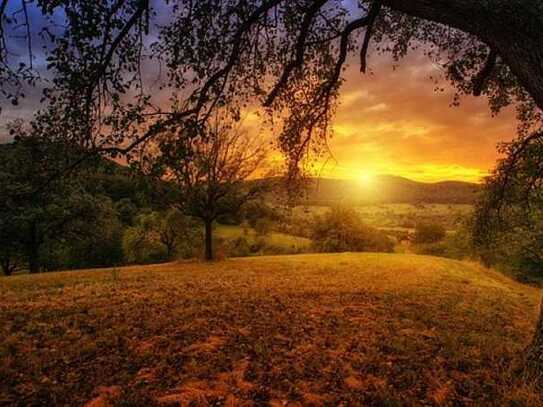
pixel 357 329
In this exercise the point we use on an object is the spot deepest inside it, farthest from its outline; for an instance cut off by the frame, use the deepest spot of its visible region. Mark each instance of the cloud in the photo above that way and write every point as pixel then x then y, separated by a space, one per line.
pixel 393 121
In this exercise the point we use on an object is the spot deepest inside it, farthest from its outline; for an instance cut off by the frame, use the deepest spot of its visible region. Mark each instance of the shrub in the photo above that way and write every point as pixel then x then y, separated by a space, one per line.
pixel 263 227
pixel 429 233
pixel 341 230
pixel 238 247
pixel 142 248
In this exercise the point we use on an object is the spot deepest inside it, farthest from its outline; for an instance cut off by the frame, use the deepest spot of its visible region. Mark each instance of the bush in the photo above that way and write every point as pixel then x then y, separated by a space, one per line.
pixel 238 247
pixel 458 245
pixel 429 233
pixel 142 248
pixel 341 230
pixel 263 227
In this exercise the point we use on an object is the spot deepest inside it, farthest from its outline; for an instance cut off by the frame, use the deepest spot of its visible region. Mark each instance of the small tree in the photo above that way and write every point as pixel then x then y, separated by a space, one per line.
pixel 214 177
pixel 342 230
pixel 426 232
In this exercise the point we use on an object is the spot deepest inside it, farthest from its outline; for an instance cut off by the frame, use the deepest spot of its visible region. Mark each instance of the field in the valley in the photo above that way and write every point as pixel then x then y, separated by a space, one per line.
pixel 351 329
pixel 400 216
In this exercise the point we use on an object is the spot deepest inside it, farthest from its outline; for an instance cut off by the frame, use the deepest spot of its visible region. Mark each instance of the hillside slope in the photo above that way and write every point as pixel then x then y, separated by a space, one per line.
pixel 357 329
pixel 390 189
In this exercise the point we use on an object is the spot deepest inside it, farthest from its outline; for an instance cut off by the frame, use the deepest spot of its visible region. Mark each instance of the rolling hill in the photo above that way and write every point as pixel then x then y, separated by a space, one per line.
pixel 390 189
pixel 350 329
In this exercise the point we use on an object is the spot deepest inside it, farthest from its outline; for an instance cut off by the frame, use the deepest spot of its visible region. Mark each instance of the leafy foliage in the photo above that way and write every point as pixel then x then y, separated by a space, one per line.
pixel 286 56
pixel 429 232
pixel 341 230
pixel 508 223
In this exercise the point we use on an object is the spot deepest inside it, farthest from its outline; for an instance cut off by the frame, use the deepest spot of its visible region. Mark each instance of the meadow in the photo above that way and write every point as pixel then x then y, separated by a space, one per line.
pixel 399 215
pixel 338 329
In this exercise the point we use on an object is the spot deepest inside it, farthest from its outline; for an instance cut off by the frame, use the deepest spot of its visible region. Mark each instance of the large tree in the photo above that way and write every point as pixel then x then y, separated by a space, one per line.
pixel 508 227
pixel 105 58
pixel 37 207
pixel 215 179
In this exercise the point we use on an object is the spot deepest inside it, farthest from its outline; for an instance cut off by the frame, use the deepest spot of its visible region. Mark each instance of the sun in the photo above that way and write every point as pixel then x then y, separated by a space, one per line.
pixel 366 179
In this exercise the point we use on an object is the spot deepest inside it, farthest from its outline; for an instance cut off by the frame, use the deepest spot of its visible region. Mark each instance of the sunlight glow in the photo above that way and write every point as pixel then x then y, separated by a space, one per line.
pixel 366 179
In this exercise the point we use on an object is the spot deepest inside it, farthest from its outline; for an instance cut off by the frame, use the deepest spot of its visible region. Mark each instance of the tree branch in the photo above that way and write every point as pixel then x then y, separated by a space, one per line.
pixel 481 78
pixel 300 46
pixel 372 16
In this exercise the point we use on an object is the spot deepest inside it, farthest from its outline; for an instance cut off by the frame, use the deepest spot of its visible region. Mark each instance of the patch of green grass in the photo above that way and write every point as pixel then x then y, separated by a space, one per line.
pixel 352 329
pixel 273 238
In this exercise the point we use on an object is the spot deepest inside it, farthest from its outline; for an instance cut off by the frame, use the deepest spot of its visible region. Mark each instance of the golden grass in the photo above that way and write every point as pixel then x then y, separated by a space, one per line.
pixel 357 329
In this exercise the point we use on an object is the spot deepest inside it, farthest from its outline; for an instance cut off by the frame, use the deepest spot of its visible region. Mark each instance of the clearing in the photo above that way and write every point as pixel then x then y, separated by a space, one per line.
pixel 369 329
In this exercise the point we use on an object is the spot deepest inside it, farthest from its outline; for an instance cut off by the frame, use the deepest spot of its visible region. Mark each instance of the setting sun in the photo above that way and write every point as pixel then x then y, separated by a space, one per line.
pixel 366 179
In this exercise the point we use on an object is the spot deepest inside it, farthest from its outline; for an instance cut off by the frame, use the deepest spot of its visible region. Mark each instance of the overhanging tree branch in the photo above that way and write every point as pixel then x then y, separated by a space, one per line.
pixel 482 77
pixel 372 16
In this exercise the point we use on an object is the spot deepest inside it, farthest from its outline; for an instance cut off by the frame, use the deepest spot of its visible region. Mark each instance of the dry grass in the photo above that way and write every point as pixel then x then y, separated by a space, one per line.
pixel 357 329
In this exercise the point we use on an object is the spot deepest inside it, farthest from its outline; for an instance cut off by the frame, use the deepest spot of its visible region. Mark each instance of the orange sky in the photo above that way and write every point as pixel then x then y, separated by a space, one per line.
pixel 392 122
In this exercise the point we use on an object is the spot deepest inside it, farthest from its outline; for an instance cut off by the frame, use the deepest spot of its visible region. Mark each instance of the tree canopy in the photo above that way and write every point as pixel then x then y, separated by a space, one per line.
pixel 111 65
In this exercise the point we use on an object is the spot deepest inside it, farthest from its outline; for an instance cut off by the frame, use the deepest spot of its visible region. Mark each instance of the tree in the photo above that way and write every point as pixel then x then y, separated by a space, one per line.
pixel 176 232
pixel 214 180
pixel 508 223
pixel 141 242
pixel 342 230
pixel 285 55
pixel 36 207
pixel 429 232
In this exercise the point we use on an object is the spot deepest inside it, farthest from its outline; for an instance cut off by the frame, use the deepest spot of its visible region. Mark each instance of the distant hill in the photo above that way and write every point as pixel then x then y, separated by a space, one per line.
pixel 389 189
pixel 117 181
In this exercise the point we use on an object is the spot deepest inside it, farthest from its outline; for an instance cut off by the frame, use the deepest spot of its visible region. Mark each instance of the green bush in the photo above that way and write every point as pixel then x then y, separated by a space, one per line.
pixel 238 247
pixel 263 227
pixel 342 230
pixel 429 233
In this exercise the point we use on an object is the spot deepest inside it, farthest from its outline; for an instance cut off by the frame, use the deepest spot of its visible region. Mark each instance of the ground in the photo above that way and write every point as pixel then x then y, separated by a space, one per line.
pixel 356 329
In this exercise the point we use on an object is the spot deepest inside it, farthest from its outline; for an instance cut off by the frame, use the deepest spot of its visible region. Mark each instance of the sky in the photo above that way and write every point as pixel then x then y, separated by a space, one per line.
pixel 391 121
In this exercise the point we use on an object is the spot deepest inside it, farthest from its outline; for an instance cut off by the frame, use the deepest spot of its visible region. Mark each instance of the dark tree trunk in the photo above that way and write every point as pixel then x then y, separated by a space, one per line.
pixel 534 356
pixel 208 240
pixel 7 267
pixel 513 28
pixel 33 261
pixel 33 251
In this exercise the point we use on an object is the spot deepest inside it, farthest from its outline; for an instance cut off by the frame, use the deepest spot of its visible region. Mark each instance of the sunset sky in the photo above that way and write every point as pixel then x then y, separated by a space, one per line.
pixel 391 121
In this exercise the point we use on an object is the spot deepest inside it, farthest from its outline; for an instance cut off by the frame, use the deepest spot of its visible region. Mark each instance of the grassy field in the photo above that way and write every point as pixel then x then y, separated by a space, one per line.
pixel 273 238
pixel 403 216
pixel 350 329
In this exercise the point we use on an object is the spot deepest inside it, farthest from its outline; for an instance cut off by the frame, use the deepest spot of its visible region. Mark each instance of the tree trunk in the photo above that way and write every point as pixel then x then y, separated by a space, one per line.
pixel 513 28
pixel 7 267
pixel 208 240
pixel 33 251
pixel 33 261
pixel 534 356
